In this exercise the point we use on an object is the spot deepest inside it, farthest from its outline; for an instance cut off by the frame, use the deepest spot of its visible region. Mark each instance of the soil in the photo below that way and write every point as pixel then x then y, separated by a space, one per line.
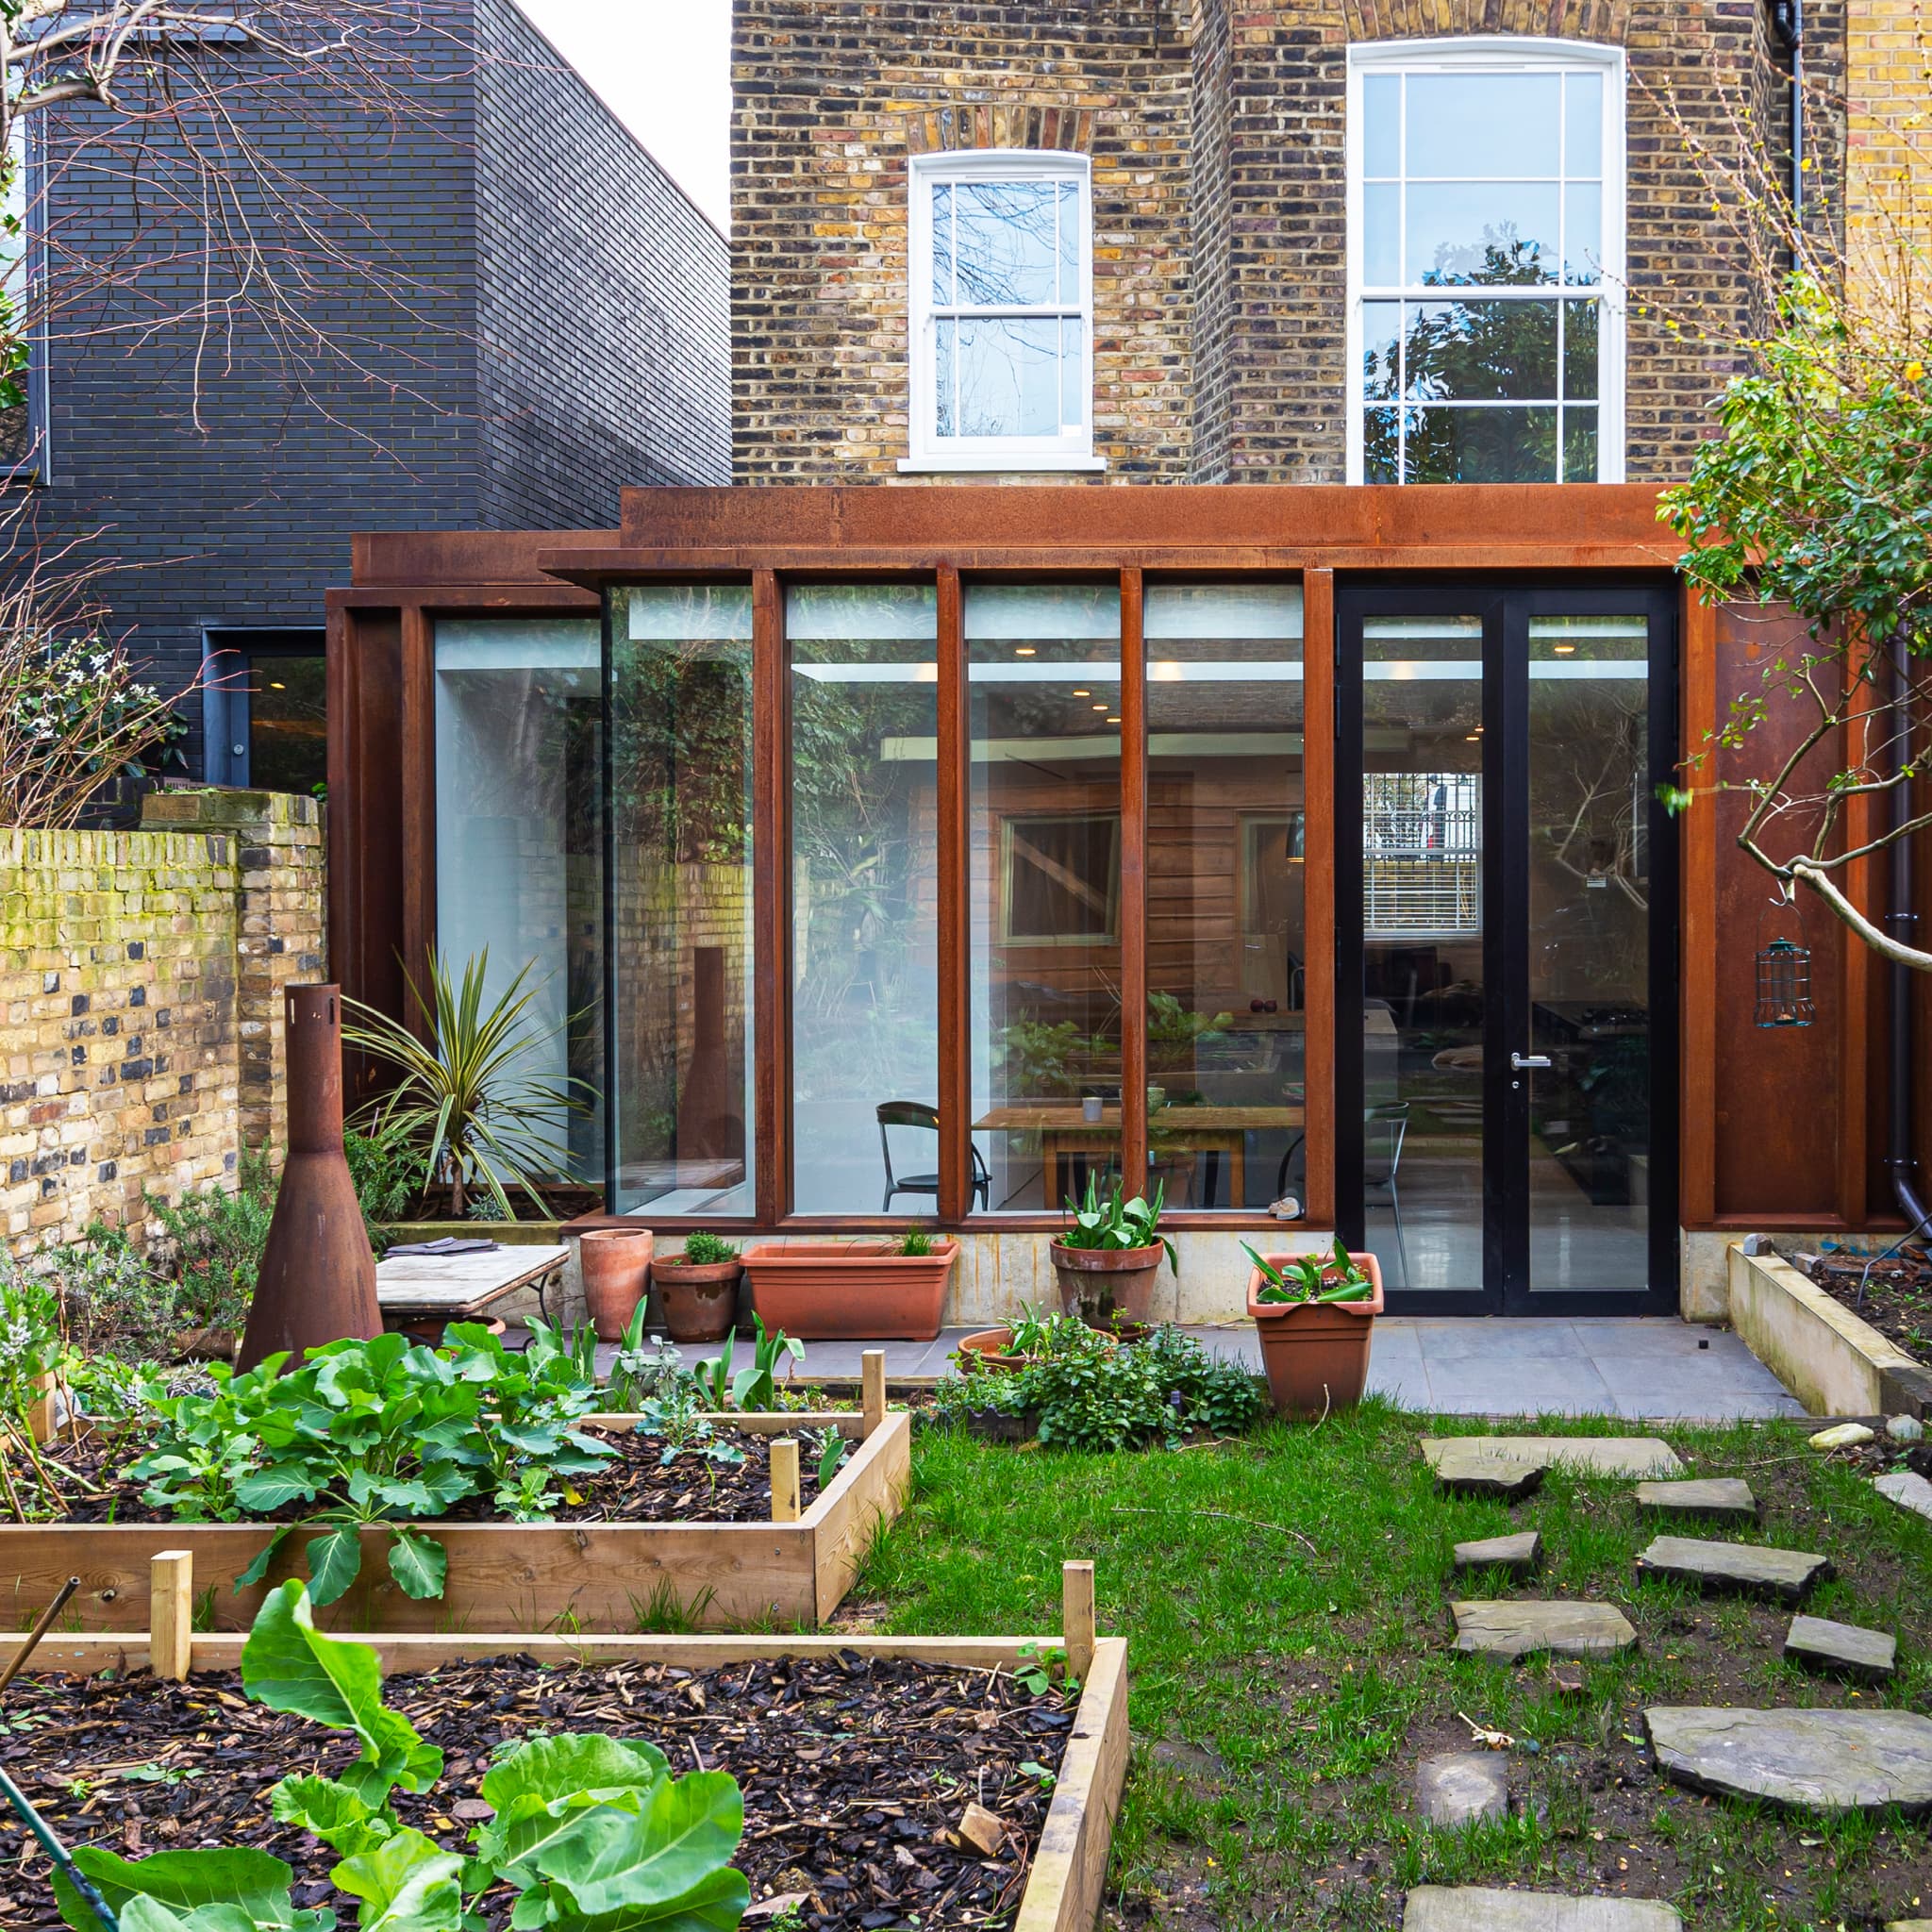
pixel 635 1487
pixel 855 1771
pixel 1897 1299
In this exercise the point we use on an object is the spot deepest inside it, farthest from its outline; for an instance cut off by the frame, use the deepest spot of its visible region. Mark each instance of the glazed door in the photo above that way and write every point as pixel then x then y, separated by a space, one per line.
pixel 1506 976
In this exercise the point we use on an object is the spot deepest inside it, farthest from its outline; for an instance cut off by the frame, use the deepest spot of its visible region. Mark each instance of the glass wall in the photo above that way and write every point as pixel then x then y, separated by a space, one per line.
pixel 1044 890
pixel 865 898
pixel 681 779
pixel 1226 946
pixel 519 857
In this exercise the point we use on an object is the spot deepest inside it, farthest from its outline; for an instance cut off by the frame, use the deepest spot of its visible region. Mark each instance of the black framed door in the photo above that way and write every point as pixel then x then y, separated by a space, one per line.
pixel 1505 911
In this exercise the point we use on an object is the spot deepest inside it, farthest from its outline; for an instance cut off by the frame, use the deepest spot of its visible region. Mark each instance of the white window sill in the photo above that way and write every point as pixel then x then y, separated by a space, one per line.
pixel 964 464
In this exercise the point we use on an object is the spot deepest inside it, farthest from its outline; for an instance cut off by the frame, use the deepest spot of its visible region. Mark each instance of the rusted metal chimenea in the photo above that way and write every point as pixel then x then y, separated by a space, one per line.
pixel 317 1281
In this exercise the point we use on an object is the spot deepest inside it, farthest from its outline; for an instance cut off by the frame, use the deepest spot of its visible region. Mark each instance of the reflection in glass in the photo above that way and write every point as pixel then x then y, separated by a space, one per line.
pixel 1500 232
pixel 1423 993
pixel 518 858
pixel 288 721
pixel 1501 445
pixel 1001 377
pixel 1226 934
pixel 864 893
pixel 1468 351
pixel 1503 127
pixel 681 887
pixel 1044 677
pixel 1589 953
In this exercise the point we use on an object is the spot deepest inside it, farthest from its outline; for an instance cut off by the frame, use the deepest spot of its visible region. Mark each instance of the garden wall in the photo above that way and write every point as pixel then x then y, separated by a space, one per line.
pixel 140 1012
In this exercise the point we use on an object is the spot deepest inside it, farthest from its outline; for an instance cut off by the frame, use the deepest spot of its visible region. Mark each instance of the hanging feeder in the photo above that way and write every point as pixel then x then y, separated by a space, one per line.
pixel 1784 971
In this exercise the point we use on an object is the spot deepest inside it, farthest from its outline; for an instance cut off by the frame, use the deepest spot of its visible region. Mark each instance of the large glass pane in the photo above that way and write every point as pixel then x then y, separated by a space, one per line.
pixel 1382 235
pixel 1480 232
pixel 1583 125
pixel 1423 949
pixel 1502 444
pixel 1007 374
pixel 288 721
pixel 1382 125
pixel 1006 242
pixel 519 851
pixel 681 889
pixel 1226 936
pixel 1499 126
pixel 1590 954
pixel 865 898
pixel 1043 670
pixel 1480 351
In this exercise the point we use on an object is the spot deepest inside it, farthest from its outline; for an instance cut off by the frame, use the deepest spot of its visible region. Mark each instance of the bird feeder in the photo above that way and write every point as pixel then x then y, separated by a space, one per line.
pixel 1784 971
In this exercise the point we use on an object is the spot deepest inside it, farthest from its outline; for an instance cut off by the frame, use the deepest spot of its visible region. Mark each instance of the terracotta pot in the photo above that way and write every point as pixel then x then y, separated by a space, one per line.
pixel 699 1299
pixel 851 1291
pixel 1108 1287
pixel 992 1349
pixel 1316 1354
pixel 617 1266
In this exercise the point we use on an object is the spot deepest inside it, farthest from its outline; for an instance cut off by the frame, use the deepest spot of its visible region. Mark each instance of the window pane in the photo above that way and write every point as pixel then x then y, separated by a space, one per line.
pixel 1580 462
pixel 1580 349
pixel 1477 445
pixel 1226 936
pixel 1070 242
pixel 1008 377
pixel 1381 349
pixel 1381 446
pixel 1381 237
pixel 1073 373
pixel 1007 242
pixel 1480 231
pixel 1382 124
pixel 1043 664
pixel 864 895
pixel 519 845
pixel 945 376
pixel 288 721
pixel 681 886
pixel 1583 233
pixel 1583 125
pixel 943 241
pixel 1469 350
pixel 1483 124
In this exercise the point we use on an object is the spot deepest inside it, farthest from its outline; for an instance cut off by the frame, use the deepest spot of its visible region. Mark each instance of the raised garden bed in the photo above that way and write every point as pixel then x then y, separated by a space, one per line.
pixel 1892 1295
pixel 856 1757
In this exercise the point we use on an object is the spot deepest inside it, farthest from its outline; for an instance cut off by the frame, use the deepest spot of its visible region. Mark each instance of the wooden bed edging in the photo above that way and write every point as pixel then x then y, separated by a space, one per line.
pixel 1068 1880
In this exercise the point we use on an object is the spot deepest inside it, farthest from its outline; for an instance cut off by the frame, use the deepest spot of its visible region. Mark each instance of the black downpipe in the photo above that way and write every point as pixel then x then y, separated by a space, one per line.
pixel 1788 16
pixel 1902 921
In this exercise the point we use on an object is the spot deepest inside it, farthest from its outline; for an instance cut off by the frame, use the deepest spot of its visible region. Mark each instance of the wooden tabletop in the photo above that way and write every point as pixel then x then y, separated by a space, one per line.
pixel 440 1283
pixel 1059 1117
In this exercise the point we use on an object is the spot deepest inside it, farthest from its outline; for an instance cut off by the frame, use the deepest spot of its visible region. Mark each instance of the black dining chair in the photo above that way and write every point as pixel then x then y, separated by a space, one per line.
pixel 915 1113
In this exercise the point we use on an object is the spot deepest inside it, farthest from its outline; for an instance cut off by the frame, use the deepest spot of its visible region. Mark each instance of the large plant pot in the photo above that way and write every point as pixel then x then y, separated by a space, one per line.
pixel 849 1291
pixel 1316 1354
pixel 1107 1287
pixel 699 1299
pixel 617 1267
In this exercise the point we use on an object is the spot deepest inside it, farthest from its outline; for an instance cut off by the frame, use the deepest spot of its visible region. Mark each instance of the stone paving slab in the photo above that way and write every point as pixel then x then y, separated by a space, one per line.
pixel 1908 1490
pixel 1622 1456
pixel 1908 1925
pixel 1518 1555
pixel 1458 1788
pixel 1517 1626
pixel 1841 1649
pixel 1475 1470
pixel 1831 1760
pixel 1479 1909
pixel 1726 1497
pixel 1784 1575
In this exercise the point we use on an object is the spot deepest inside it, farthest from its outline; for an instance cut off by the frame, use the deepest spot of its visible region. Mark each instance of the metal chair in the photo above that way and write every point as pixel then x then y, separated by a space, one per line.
pixel 1380 1162
pixel 915 1113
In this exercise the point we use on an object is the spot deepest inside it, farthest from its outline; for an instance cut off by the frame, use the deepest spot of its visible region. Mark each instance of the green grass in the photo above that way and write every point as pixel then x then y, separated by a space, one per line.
pixel 1301 1686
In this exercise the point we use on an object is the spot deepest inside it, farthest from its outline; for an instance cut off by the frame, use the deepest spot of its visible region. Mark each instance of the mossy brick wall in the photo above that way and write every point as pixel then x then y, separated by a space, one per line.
pixel 140 1022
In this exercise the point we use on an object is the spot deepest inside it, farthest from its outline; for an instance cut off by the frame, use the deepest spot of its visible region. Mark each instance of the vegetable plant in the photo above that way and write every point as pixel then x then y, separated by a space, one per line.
pixel 1117 1224
pixel 1331 1277
pixel 702 1250
pixel 754 1387
pixel 589 1833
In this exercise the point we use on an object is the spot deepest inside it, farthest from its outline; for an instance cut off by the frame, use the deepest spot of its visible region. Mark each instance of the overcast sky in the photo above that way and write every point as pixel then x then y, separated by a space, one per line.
pixel 664 66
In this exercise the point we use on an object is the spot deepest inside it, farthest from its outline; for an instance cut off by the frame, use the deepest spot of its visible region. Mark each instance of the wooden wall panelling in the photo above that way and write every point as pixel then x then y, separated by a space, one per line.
pixel 1132 885
pixel 1318 834
pixel 1862 1019
pixel 1697 914
pixel 771 851
pixel 954 778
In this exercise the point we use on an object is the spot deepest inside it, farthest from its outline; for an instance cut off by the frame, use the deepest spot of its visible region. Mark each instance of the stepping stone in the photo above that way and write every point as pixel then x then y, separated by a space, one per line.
pixel 1833 1760
pixel 1636 1457
pixel 1908 1490
pixel 1908 1925
pixel 1725 1496
pixel 1785 1575
pixel 1518 1555
pixel 1476 1909
pixel 1458 1788
pixel 1473 1469
pixel 1841 1649
pixel 1510 1628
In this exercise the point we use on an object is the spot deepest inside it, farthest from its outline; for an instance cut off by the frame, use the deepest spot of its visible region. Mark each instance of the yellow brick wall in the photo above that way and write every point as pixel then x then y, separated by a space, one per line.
pixel 141 978
pixel 1889 118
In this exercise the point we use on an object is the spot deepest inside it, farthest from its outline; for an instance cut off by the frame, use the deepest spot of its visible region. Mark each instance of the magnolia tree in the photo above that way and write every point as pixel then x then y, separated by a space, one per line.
pixel 1816 497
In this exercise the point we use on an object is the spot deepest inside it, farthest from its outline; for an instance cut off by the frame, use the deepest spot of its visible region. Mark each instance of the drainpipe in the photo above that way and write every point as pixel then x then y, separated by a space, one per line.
pixel 1788 19
pixel 1902 921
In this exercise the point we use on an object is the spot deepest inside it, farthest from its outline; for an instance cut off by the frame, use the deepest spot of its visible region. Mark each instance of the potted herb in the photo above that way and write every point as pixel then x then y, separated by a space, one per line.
pixel 1316 1315
pixel 697 1290
pixel 1031 1338
pixel 1107 1259
pixel 839 1290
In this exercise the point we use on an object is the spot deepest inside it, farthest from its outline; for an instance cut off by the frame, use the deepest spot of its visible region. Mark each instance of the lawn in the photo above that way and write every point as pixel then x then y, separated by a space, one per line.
pixel 1285 1597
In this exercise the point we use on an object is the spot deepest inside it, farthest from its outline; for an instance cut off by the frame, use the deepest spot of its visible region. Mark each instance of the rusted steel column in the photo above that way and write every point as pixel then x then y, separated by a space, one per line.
pixel 317 1282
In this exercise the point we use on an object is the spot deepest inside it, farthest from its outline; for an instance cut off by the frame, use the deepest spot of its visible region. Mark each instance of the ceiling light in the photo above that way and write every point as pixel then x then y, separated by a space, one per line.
pixel 1474 738
pixel 1100 707
pixel 1083 693
pixel 1563 650
pixel 1113 721
pixel 273 686
pixel 1022 650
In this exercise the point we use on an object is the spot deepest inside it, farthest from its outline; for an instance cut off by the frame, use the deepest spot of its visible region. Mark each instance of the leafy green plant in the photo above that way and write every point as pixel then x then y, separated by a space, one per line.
pixel 390 1173
pixel 915 1242
pixel 383 1432
pixel 703 1249
pixel 831 1447
pixel 115 1300
pixel 755 1386
pixel 1331 1277
pixel 1117 1224
pixel 31 1347
pixel 643 1369
pixel 1039 1058
pixel 1174 1033
pixel 212 1241
pixel 466 1094
pixel 679 1420
pixel 591 1833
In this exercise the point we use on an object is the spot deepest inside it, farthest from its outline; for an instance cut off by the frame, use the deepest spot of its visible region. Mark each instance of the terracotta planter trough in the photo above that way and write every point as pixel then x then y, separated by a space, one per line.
pixel 851 1291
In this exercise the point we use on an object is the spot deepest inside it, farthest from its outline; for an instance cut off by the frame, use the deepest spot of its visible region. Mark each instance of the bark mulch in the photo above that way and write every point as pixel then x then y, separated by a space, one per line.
pixel 855 1772
pixel 1896 1299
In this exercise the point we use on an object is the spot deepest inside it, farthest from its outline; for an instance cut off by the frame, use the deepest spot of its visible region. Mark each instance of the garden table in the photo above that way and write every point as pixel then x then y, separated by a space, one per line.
pixel 421 1288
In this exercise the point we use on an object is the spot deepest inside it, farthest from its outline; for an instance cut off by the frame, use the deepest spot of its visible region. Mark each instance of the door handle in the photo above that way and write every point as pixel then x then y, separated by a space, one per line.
pixel 1518 1061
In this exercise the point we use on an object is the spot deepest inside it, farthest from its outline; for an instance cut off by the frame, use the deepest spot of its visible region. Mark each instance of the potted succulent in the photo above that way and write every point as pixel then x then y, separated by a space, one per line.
pixel 697 1290
pixel 1316 1316
pixel 1031 1338
pixel 842 1290
pixel 1106 1260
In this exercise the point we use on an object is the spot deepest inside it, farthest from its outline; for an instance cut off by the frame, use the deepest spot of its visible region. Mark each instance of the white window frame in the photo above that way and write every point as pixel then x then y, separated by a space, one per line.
pixel 1503 54
pixel 1070 450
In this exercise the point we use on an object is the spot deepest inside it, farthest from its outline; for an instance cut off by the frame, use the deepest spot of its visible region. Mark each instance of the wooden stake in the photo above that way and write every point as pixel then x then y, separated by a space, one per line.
pixel 40 1414
pixel 785 1479
pixel 170 1613
pixel 873 1377
pixel 1077 1617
